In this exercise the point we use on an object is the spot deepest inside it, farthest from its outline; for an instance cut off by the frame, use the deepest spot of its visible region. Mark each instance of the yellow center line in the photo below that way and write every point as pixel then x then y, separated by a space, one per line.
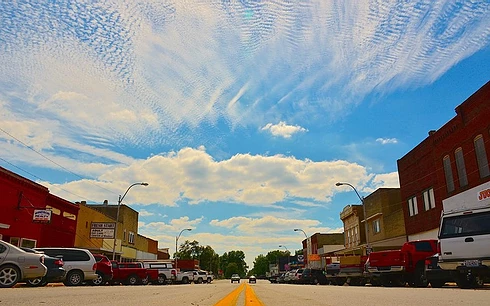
pixel 250 298
pixel 231 298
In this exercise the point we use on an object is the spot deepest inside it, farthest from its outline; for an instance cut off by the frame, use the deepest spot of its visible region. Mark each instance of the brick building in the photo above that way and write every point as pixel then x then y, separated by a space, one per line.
pixel 31 216
pixel 449 161
pixel 354 230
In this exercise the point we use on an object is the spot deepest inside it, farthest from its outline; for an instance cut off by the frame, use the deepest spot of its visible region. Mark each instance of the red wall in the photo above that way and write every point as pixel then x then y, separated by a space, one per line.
pixel 19 198
pixel 422 167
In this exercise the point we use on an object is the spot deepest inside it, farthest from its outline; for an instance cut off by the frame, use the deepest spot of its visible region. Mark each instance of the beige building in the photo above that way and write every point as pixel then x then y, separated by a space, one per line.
pixel 96 223
pixel 354 230
pixel 386 224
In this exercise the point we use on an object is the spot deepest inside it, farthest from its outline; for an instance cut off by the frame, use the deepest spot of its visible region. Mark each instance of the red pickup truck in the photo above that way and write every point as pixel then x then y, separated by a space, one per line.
pixel 132 273
pixel 397 267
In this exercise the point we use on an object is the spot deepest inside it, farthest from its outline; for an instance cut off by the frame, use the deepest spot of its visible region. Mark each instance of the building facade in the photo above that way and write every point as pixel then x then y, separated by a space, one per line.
pixel 449 161
pixel 385 219
pixel 31 216
pixel 354 230
pixel 321 243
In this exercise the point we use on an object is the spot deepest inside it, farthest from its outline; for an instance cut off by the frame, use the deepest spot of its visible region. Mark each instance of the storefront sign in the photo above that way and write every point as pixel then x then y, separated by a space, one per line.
pixel 41 216
pixel 104 230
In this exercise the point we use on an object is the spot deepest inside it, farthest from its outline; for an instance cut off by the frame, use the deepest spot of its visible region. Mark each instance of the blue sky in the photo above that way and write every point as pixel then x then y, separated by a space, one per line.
pixel 241 115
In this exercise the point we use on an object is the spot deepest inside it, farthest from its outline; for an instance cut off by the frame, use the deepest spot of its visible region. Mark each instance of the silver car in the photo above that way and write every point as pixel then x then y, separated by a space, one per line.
pixel 17 264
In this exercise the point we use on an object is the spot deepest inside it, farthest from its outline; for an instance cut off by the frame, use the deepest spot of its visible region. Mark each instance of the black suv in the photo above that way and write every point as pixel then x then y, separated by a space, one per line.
pixel 314 277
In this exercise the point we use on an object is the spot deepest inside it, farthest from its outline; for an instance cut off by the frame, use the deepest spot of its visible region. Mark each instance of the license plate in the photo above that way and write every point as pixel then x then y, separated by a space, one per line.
pixel 472 263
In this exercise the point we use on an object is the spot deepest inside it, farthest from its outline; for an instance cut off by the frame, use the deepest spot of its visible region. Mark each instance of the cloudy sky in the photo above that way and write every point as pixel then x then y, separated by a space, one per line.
pixel 241 115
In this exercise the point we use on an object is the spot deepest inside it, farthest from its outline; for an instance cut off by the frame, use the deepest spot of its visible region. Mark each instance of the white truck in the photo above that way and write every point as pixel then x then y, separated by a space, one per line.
pixel 464 236
pixel 166 273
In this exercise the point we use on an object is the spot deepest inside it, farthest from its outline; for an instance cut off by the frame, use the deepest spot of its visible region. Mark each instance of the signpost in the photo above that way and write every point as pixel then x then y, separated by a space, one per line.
pixel 41 216
pixel 104 230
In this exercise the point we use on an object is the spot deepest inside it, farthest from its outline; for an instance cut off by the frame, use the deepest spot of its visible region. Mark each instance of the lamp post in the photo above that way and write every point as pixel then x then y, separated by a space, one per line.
pixel 121 198
pixel 306 236
pixel 176 243
pixel 366 228
pixel 283 246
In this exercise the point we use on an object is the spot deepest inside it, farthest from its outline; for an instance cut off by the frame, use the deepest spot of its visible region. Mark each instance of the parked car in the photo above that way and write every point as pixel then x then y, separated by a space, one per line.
pixel 55 274
pixel 235 278
pixel 313 277
pixel 80 264
pixel 274 279
pixel 103 270
pixel 17 265
pixel 252 279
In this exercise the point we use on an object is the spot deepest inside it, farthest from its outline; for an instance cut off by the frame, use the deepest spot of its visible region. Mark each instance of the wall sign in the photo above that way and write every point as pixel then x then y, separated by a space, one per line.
pixel 41 216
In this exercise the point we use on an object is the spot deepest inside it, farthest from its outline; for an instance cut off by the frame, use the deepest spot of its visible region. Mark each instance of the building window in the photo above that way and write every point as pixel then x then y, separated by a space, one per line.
pixel 463 179
pixel 376 226
pixel 481 156
pixel 448 173
pixel 412 206
pixel 429 200
pixel 124 235
pixel 28 243
pixel 131 237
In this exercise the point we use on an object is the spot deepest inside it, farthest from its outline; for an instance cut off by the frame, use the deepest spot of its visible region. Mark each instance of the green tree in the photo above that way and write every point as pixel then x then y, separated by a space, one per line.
pixel 236 257
pixel 261 265
pixel 231 269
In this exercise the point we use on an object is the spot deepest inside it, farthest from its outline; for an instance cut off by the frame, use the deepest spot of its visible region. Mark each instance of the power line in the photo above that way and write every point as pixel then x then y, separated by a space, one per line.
pixel 54 162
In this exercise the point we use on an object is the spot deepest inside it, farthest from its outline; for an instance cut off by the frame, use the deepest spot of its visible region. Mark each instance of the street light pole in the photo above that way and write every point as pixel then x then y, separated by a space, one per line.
pixel 283 246
pixel 121 198
pixel 176 243
pixel 306 236
pixel 366 228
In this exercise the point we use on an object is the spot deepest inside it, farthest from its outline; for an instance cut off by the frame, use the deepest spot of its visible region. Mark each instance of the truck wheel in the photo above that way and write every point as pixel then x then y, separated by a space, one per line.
pixel 418 279
pixel 145 280
pixel 185 280
pixel 162 279
pixel 199 280
pixel 132 280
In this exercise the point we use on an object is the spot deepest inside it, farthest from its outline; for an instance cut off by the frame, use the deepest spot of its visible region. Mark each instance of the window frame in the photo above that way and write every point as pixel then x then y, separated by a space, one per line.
pixel 429 199
pixel 481 156
pixel 461 167
pixel 448 173
pixel 376 226
pixel 413 209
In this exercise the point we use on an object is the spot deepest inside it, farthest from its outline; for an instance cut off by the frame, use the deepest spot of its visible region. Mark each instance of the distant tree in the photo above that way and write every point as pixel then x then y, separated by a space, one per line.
pixel 207 257
pixel 231 269
pixel 236 257
pixel 261 265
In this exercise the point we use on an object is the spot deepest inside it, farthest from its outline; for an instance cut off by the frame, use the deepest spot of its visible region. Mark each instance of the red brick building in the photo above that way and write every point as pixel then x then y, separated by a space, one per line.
pixel 449 161
pixel 23 206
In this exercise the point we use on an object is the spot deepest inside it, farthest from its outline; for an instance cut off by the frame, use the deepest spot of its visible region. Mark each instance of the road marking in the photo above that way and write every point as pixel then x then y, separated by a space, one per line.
pixel 250 298
pixel 231 298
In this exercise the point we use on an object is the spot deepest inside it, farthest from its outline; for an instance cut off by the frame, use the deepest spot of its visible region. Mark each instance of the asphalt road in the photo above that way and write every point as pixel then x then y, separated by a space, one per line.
pixel 223 293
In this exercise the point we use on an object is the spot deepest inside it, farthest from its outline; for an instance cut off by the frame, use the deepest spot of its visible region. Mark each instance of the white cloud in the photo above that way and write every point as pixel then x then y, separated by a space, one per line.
pixel 144 213
pixel 194 176
pixel 175 225
pixel 282 129
pixel 387 140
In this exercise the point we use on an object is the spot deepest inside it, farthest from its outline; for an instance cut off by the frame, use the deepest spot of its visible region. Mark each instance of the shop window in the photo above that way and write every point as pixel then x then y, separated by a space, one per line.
pixel 412 206
pixel 28 243
pixel 448 173
pixel 429 200
pixel 481 156
pixel 15 241
pixel 460 165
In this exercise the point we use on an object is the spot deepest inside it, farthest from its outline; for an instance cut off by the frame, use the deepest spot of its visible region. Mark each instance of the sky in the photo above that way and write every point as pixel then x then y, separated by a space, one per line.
pixel 240 115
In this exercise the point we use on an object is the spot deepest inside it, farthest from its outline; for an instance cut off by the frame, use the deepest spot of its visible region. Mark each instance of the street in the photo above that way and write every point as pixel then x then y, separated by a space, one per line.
pixel 222 292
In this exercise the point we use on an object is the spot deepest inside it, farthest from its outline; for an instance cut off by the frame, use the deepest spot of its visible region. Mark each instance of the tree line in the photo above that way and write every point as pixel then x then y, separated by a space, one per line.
pixel 229 263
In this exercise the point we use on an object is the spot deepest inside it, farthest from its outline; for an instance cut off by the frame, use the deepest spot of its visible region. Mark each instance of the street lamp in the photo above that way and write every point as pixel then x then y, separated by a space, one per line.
pixel 117 216
pixel 306 236
pixel 176 243
pixel 366 228
pixel 283 246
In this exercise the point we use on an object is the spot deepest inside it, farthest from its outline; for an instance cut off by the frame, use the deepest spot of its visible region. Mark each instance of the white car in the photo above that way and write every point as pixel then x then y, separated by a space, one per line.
pixel 17 264
pixel 80 264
